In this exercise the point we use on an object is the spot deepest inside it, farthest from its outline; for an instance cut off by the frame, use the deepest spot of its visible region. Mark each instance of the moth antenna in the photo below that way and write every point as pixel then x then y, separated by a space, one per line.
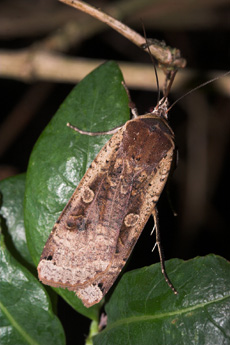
pixel 197 88
pixel 154 65
pixel 172 77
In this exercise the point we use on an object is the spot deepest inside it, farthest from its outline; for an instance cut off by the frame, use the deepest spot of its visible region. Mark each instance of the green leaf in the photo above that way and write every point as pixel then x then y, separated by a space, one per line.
pixel 25 311
pixel 143 310
pixel 61 156
pixel 12 194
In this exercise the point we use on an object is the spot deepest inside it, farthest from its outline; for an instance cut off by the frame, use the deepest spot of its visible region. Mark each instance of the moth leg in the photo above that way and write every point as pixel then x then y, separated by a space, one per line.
pixel 154 247
pixel 112 131
pixel 154 228
pixel 132 105
pixel 158 243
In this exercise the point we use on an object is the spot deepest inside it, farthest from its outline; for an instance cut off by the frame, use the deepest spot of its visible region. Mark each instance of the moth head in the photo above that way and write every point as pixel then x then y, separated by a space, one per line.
pixel 161 109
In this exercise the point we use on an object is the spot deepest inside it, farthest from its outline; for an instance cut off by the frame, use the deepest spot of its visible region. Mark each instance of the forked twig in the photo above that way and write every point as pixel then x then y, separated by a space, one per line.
pixel 165 55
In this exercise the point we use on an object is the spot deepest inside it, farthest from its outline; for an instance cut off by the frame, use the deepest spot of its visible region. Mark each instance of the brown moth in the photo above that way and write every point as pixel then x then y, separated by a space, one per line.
pixel 100 225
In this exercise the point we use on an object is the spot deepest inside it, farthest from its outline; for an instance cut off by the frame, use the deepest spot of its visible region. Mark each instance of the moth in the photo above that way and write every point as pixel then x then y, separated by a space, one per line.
pixel 100 225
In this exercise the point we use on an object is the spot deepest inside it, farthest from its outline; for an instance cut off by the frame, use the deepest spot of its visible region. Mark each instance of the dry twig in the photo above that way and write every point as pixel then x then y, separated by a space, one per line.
pixel 41 65
pixel 164 54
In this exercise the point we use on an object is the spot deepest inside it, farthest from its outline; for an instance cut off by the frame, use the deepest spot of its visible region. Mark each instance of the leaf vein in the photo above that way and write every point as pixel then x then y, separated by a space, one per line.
pixel 139 318
pixel 17 326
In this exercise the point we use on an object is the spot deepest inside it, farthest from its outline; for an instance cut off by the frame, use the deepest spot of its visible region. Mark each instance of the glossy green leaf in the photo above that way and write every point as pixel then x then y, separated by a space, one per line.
pixel 25 311
pixel 143 310
pixel 61 156
pixel 12 197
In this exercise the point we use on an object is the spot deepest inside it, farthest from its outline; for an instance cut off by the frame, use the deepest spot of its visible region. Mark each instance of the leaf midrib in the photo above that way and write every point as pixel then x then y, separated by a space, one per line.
pixel 143 318
pixel 17 326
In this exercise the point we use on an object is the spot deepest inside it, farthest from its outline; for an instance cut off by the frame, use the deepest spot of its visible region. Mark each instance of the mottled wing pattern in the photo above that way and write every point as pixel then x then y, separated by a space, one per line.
pixel 101 223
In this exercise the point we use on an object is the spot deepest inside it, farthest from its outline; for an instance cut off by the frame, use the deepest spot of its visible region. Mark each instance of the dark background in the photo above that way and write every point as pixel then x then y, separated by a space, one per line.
pixel 198 190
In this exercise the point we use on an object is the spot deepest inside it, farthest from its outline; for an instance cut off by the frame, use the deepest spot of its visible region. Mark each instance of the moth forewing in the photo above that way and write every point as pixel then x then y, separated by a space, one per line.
pixel 96 232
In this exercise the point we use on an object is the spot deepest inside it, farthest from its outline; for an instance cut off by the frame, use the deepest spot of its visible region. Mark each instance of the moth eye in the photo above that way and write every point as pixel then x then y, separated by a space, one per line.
pixel 131 219
pixel 87 195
